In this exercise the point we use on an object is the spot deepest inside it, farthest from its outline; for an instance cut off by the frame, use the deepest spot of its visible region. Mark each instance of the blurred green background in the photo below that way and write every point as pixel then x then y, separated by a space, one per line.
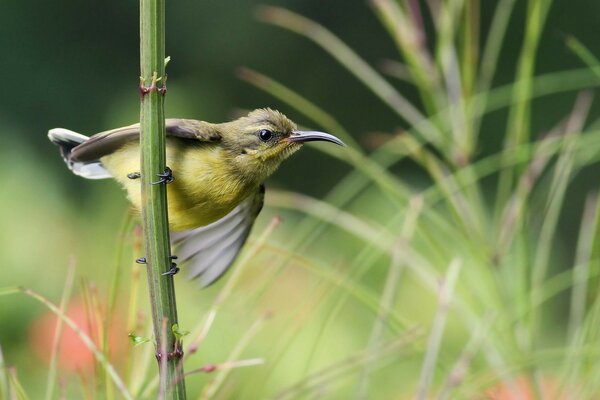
pixel 75 64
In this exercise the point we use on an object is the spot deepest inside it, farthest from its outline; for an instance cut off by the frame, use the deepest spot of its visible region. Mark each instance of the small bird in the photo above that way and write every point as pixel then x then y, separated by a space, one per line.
pixel 216 188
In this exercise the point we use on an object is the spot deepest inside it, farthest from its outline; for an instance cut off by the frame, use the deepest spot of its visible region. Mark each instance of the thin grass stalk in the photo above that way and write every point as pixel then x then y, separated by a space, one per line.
pixel 115 285
pixel 17 391
pixel 4 385
pixel 560 180
pixel 518 128
pixel 58 331
pixel 491 53
pixel 581 272
pixel 459 148
pixel 437 329
pixel 584 54
pixel 136 367
pixel 459 370
pixel 154 196
pixel 470 46
pixel 410 41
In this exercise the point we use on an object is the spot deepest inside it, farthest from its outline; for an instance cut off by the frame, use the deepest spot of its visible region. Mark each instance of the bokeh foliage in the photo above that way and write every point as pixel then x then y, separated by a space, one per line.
pixel 76 65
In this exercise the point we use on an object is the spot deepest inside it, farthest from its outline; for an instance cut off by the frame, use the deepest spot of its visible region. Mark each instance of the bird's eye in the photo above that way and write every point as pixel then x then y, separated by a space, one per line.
pixel 265 135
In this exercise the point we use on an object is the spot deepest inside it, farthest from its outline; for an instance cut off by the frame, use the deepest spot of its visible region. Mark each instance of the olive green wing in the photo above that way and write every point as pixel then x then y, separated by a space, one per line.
pixel 208 252
pixel 107 142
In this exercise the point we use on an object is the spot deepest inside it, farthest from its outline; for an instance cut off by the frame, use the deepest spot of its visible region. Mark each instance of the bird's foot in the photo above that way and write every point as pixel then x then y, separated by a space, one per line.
pixel 165 177
pixel 134 175
pixel 174 269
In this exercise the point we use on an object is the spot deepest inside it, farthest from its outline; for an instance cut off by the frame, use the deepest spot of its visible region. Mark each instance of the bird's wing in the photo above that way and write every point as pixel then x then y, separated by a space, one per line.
pixel 105 143
pixel 208 251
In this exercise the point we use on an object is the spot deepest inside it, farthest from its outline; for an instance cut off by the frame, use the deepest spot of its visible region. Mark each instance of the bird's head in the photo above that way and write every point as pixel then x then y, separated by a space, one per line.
pixel 264 138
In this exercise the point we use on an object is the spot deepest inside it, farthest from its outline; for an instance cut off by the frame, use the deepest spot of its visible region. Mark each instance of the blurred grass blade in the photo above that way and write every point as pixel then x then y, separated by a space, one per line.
pixel 356 65
pixel 4 385
pixel 493 44
pixel 460 368
pixel 122 236
pixel 58 332
pixel 558 188
pixel 17 391
pixel 518 127
pixel 437 329
pixel 584 54
pixel 409 36
pixel 587 234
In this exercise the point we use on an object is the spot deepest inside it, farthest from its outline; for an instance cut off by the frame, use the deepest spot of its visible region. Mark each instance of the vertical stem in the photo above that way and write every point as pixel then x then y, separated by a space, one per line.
pixel 154 197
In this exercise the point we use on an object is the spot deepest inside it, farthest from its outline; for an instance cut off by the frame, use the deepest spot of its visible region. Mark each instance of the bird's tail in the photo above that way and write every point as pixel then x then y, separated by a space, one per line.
pixel 66 140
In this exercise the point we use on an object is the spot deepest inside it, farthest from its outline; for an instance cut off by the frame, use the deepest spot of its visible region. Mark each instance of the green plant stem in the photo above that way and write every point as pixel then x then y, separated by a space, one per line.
pixel 154 197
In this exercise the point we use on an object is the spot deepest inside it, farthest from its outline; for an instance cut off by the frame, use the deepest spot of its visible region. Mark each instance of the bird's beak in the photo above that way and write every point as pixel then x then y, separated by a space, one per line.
pixel 312 136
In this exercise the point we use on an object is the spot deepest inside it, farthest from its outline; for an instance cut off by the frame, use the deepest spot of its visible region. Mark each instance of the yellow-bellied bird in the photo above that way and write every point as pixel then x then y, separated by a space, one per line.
pixel 219 170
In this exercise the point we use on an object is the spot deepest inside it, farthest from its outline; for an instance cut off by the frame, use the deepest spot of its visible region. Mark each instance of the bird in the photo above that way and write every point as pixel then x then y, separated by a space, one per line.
pixel 215 176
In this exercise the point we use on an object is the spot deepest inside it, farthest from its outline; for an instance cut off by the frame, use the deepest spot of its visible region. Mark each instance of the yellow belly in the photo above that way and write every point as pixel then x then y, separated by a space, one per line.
pixel 205 188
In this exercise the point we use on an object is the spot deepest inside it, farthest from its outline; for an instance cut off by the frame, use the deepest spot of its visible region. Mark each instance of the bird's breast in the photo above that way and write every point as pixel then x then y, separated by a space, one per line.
pixel 206 186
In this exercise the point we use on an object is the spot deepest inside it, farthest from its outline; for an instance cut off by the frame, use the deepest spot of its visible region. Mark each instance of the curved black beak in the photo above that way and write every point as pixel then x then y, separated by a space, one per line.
pixel 312 136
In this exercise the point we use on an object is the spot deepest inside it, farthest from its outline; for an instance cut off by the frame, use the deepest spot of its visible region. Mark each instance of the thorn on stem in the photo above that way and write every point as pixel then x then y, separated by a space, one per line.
pixel 144 90
pixel 176 354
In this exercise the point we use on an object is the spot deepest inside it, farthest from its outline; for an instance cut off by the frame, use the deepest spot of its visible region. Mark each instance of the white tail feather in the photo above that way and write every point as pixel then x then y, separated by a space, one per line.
pixel 66 140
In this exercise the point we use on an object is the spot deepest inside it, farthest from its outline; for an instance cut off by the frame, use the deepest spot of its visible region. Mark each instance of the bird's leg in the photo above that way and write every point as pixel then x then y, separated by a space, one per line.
pixel 165 177
pixel 134 175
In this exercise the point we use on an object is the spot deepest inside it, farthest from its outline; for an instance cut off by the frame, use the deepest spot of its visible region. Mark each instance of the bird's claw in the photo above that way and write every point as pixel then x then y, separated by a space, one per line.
pixel 134 175
pixel 174 269
pixel 165 177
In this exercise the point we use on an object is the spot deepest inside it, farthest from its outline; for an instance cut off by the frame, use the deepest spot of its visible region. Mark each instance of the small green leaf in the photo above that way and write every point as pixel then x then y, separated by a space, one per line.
pixel 137 340
pixel 178 334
